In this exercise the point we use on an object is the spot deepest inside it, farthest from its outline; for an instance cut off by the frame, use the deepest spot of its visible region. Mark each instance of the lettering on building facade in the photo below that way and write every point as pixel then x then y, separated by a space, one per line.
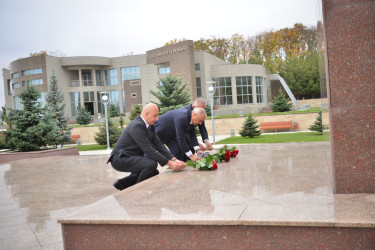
pixel 167 52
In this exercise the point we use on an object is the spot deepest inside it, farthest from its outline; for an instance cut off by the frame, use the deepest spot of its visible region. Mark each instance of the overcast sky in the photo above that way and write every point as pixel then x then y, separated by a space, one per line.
pixel 118 27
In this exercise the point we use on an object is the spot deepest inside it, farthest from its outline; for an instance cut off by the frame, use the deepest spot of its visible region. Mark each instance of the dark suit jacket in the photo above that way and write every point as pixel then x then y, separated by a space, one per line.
pixel 135 141
pixel 175 125
pixel 202 127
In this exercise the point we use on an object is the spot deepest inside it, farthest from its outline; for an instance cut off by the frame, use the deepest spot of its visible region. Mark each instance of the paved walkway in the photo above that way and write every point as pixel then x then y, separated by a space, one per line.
pixel 35 192
pixel 100 152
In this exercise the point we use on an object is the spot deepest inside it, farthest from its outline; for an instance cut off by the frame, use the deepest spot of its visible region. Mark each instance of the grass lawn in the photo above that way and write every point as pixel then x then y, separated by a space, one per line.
pixel 278 138
pixel 264 138
pixel 311 110
pixel 91 147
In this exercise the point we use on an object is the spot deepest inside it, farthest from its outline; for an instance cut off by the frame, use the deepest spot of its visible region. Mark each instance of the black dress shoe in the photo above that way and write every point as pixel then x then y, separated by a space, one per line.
pixel 118 185
pixel 126 182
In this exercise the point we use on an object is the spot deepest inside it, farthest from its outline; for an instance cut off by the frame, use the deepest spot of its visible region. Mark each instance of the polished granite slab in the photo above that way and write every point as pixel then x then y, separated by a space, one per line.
pixel 267 184
pixel 35 192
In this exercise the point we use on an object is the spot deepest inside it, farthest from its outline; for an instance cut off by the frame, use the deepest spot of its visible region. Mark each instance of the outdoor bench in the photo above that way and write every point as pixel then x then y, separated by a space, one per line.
pixel 276 125
pixel 75 138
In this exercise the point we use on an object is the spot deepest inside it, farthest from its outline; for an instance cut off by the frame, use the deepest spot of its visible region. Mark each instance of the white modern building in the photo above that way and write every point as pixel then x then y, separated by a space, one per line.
pixel 240 88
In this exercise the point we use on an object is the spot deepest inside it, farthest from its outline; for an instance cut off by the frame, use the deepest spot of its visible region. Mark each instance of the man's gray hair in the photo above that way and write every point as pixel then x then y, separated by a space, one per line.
pixel 200 111
pixel 200 101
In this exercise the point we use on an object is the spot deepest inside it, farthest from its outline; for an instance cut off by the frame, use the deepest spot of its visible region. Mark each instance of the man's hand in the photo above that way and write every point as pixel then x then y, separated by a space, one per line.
pixel 200 152
pixel 194 157
pixel 202 147
pixel 208 145
pixel 176 165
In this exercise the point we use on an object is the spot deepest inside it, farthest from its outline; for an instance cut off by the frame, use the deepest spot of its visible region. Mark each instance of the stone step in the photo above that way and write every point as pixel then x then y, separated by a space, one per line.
pixel 269 196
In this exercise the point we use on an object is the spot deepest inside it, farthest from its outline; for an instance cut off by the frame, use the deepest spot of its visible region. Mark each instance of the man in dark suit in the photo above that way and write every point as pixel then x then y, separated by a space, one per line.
pixel 139 150
pixel 201 103
pixel 176 129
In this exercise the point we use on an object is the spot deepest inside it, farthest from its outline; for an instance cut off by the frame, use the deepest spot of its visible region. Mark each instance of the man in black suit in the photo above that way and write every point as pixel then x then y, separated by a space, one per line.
pixel 139 150
pixel 176 129
pixel 201 103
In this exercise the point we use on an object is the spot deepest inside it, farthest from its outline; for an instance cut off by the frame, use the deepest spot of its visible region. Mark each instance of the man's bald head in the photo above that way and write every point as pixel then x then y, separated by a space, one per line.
pixel 200 102
pixel 150 113
pixel 198 115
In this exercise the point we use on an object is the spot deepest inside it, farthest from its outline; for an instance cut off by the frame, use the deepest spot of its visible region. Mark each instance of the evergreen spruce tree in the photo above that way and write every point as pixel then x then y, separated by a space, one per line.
pixel 84 117
pixel 249 128
pixel 3 144
pixel 318 124
pixel 136 111
pixel 113 110
pixel 280 103
pixel 3 114
pixel 121 121
pixel 172 94
pixel 113 131
pixel 208 110
pixel 32 127
pixel 56 107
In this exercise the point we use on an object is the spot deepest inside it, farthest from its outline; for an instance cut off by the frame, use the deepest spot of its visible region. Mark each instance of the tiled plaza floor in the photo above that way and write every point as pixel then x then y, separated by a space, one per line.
pixel 266 183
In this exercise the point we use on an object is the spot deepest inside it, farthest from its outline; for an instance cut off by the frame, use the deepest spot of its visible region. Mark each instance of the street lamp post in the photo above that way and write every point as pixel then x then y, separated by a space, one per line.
pixel 105 101
pixel 211 90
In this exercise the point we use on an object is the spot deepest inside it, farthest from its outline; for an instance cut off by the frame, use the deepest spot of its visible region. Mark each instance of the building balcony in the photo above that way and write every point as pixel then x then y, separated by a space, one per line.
pixel 74 83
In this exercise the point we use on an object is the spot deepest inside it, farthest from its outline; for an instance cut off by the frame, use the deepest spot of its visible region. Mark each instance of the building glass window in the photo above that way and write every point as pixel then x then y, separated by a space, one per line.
pixel 98 78
pixel 74 103
pixel 223 91
pixel 110 77
pixel 86 77
pixel 36 82
pixel 9 84
pixel 114 98
pixel 197 66
pixel 244 90
pixel 32 82
pixel 32 72
pixel 130 73
pixel 123 100
pixel 259 88
pixel 15 75
pixel 164 70
pixel 42 99
pixel 199 86
pixel 17 102
pixel 16 85
pixel 88 101
pixel 100 104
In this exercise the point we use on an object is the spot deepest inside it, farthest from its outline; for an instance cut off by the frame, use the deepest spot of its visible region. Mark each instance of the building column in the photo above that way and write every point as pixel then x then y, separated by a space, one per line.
pixel 264 88
pixel 350 56
pixel 81 85
pixel 234 91
pixel 93 77
pixel 254 88
pixel 80 77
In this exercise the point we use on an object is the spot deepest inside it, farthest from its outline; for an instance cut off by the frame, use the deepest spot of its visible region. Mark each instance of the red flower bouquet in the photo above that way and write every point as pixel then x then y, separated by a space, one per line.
pixel 225 154
pixel 203 164
pixel 210 162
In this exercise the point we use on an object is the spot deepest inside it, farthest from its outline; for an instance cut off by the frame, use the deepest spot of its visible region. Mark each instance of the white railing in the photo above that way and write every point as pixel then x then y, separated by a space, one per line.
pixel 74 83
pixel 286 87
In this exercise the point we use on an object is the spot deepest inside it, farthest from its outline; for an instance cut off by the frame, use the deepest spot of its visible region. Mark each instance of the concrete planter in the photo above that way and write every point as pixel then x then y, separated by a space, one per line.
pixel 14 156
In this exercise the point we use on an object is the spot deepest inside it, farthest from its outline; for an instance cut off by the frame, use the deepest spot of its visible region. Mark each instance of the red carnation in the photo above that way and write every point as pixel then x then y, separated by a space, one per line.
pixel 227 152
pixel 227 158
pixel 214 165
